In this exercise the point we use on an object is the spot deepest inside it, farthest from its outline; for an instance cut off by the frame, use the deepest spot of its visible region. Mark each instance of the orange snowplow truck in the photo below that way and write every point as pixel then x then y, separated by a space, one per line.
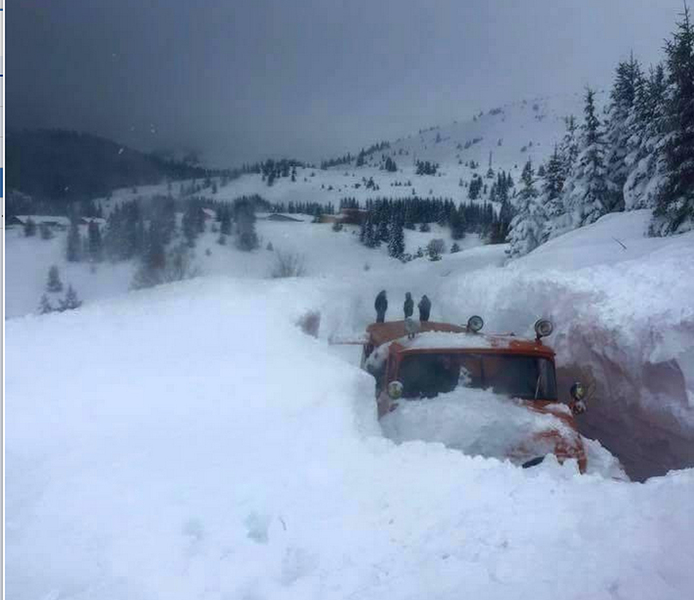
pixel 416 361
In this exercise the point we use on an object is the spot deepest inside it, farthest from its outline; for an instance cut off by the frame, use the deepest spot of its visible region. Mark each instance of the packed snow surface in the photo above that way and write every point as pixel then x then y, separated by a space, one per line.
pixel 190 442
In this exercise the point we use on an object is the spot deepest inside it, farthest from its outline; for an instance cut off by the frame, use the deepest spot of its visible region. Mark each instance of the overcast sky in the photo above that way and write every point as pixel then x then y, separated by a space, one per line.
pixel 238 80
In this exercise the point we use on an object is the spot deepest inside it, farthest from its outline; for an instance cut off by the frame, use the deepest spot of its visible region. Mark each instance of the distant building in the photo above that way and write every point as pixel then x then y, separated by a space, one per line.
pixel 86 220
pixel 347 216
pixel 282 217
pixel 49 220
pixel 353 216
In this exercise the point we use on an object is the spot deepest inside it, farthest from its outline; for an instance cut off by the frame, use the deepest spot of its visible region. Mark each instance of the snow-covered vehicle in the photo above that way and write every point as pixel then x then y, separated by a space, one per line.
pixel 494 395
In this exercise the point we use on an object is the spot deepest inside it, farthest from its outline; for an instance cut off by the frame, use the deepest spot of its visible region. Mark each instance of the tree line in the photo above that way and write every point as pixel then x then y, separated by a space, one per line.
pixel 387 218
pixel 639 154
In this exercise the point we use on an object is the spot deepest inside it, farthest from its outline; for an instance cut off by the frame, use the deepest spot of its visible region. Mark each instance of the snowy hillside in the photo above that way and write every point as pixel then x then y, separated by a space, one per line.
pixel 197 454
pixel 512 134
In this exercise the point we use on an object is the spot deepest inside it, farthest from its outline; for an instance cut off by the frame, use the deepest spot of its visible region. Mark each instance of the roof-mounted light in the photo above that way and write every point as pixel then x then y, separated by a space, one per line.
pixel 475 324
pixel 412 327
pixel 543 328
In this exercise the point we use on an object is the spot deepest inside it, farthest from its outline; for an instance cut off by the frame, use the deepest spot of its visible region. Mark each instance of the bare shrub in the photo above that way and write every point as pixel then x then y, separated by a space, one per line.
pixel 288 264
pixel 435 248
pixel 310 323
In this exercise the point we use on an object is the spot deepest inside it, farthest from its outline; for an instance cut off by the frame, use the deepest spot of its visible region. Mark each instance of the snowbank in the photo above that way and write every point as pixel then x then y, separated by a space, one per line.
pixel 190 442
pixel 622 316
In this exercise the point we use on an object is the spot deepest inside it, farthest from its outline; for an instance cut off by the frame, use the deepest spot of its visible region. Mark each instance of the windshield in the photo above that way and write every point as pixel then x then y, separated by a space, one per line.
pixel 527 377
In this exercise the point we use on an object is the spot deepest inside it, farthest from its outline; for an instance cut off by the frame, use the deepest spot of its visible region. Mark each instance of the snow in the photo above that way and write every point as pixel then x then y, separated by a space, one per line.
pixel 189 441
pixel 26 272
pixel 426 339
pixel 197 454
pixel 442 339
pixel 476 422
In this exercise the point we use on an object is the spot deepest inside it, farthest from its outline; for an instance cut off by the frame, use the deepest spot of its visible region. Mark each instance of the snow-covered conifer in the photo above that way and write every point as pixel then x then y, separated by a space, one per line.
pixel 74 242
pixel 54 284
pixel 589 193
pixel 396 243
pixel 527 226
pixel 674 212
pixel 45 306
pixel 71 300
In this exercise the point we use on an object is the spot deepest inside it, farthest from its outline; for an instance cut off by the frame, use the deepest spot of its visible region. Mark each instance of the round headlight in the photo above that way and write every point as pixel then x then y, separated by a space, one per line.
pixel 395 390
pixel 475 324
pixel 543 328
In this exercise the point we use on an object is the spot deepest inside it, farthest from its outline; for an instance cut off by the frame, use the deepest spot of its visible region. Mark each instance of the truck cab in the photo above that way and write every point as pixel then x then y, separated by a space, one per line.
pixel 416 362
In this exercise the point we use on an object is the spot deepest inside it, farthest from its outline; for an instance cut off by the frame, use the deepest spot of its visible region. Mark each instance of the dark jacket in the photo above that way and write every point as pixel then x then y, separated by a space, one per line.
pixel 409 305
pixel 424 308
pixel 381 306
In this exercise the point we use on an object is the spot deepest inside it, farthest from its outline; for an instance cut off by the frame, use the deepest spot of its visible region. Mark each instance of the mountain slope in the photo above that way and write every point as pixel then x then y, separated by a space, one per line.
pixel 512 133
pixel 65 166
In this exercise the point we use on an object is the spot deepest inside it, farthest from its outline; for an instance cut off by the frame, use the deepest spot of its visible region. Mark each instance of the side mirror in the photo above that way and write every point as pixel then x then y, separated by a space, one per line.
pixel 395 389
pixel 577 393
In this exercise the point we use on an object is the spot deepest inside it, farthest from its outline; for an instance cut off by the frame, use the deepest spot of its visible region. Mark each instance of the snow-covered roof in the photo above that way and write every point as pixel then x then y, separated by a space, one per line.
pixel 444 339
pixel 43 219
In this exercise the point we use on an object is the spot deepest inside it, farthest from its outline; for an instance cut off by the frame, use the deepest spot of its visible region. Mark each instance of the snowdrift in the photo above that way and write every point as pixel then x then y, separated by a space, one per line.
pixel 190 442
pixel 621 304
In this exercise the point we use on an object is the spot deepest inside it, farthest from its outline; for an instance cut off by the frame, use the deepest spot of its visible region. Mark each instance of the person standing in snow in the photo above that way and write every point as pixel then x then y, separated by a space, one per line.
pixel 409 305
pixel 424 308
pixel 381 306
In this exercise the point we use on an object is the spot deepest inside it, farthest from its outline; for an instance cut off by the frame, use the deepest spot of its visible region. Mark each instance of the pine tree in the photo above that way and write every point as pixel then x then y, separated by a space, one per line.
pixel 95 244
pixel 674 212
pixel 527 226
pixel 247 238
pixel 551 199
pixel 646 143
pixel 190 226
pixel 370 239
pixel 382 228
pixel 590 195
pixel 458 223
pixel 45 306
pixel 628 80
pixel 54 284
pixel 396 243
pixel 225 225
pixel 568 149
pixel 74 242
pixel 71 301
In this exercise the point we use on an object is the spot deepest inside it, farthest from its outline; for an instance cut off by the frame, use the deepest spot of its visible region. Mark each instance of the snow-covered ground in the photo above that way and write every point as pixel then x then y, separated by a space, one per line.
pixel 620 302
pixel 209 449
pixel 190 441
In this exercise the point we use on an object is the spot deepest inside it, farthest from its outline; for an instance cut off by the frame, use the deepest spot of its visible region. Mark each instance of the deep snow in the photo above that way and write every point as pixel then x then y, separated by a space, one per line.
pixel 621 303
pixel 190 442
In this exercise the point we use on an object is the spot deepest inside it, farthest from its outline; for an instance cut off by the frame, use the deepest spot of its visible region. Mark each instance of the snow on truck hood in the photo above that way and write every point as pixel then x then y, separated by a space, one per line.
pixel 476 422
